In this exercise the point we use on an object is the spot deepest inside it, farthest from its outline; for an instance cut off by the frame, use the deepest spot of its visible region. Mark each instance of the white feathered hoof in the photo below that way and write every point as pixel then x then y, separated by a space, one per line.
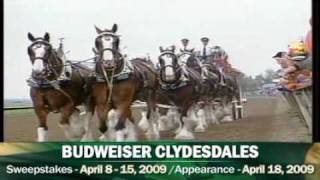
pixel 42 134
pixel 72 133
pixel 130 132
pixel 153 132
pixel 227 118
pixel 87 137
pixel 200 128
pixel 163 124
pixel 75 129
pixel 143 123
pixel 120 135
pixel 214 119
pixel 184 134
pixel 103 138
pixel 152 136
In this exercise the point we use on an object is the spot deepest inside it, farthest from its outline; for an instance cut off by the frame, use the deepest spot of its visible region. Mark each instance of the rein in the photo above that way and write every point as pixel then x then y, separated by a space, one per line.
pixel 56 86
pixel 109 83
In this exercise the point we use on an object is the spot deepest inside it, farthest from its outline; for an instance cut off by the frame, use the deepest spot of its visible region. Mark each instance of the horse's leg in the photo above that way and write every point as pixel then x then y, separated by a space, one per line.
pixel 102 112
pixel 212 116
pixel 121 115
pixel 70 122
pixel 153 132
pixel 89 111
pixel 143 123
pixel 42 114
pixel 201 119
pixel 131 134
pixel 165 119
pixel 179 121
pixel 185 133
pixel 226 110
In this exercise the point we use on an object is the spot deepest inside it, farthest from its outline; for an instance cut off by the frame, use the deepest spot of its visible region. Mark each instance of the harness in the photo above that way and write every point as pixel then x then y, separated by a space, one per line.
pixel 124 74
pixel 174 86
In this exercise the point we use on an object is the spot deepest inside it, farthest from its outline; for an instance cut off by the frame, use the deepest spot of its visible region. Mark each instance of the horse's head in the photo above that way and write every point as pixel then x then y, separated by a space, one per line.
pixel 169 66
pixel 39 53
pixel 107 46
pixel 218 54
pixel 188 57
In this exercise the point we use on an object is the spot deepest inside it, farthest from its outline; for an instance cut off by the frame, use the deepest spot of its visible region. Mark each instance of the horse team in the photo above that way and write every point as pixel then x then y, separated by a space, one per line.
pixel 193 89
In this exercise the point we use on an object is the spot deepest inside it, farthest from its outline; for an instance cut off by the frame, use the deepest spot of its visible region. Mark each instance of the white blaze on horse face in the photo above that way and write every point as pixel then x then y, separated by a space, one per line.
pixel 39 52
pixel 184 58
pixel 38 65
pixel 168 63
pixel 107 43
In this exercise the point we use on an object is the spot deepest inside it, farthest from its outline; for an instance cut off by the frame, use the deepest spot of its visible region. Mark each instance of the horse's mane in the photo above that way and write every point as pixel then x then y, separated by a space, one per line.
pixel 143 64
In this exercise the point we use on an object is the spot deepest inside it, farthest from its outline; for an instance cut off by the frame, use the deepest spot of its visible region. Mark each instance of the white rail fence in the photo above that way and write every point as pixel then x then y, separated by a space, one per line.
pixel 301 102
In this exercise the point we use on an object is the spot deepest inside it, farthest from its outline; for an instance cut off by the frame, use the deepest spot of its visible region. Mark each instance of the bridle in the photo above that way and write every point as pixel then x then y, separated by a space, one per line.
pixel 40 41
pixel 115 44
pixel 117 57
pixel 177 67
pixel 49 69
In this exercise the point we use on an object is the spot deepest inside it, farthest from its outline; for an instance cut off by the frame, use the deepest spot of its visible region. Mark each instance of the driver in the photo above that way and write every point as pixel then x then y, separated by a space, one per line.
pixel 205 51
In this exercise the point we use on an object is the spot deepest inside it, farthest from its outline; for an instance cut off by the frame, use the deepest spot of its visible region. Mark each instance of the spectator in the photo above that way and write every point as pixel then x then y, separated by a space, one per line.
pixel 307 62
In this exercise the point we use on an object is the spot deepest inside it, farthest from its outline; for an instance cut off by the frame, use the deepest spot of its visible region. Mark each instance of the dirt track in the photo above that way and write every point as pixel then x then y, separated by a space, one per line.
pixel 266 119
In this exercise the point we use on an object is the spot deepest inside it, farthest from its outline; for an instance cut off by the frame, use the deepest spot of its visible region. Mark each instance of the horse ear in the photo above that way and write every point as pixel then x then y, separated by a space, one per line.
pixel 114 28
pixel 46 37
pixel 192 50
pixel 181 50
pixel 173 48
pixel 30 37
pixel 99 31
pixel 161 49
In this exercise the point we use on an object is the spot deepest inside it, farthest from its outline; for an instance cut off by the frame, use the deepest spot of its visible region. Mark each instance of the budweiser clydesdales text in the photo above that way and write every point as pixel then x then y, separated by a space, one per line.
pixel 160 151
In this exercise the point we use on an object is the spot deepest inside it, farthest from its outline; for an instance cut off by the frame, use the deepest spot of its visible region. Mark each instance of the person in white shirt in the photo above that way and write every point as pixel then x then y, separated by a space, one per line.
pixel 185 43
pixel 205 51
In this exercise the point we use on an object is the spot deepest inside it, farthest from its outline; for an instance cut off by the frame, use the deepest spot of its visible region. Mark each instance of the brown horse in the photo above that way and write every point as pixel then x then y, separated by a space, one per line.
pixel 55 89
pixel 120 82
pixel 228 89
pixel 204 107
pixel 176 90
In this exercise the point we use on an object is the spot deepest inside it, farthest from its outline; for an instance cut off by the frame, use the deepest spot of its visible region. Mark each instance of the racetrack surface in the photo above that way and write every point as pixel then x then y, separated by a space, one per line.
pixel 266 119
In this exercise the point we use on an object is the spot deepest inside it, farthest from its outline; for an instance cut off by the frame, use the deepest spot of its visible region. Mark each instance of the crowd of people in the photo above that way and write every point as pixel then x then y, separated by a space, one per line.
pixel 296 64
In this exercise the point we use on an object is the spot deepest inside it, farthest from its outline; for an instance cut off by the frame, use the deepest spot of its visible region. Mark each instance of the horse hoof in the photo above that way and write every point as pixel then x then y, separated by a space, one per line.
pixel 120 135
pixel 74 133
pixel 87 137
pixel 130 132
pixel 103 137
pixel 163 124
pixel 215 121
pixel 199 129
pixel 184 135
pixel 152 136
pixel 227 119
pixel 42 134
pixel 144 125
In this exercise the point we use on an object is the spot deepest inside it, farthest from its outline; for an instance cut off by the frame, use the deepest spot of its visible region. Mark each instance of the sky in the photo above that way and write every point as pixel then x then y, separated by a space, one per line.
pixel 251 31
